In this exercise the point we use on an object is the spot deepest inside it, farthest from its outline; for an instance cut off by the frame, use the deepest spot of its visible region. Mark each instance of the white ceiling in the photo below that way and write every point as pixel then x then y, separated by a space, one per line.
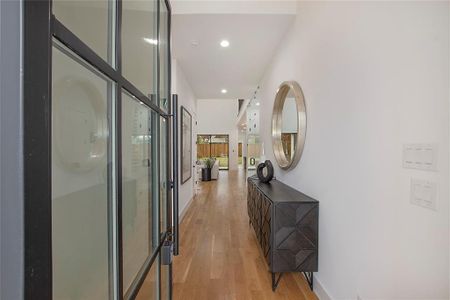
pixel 233 6
pixel 238 68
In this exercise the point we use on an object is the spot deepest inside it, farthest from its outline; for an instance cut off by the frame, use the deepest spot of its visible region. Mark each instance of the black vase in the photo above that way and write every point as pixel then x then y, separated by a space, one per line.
pixel 260 171
pixel 206 174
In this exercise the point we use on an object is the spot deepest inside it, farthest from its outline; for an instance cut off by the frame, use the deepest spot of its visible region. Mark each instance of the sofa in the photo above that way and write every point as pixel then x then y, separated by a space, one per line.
pixel 215 170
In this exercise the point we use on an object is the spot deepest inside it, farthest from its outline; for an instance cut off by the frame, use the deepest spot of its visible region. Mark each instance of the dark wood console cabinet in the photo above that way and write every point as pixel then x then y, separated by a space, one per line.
pixel 286 223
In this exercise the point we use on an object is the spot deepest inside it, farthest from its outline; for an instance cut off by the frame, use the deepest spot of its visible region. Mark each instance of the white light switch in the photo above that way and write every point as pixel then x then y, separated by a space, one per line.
pixel 423 193
pixel 420 156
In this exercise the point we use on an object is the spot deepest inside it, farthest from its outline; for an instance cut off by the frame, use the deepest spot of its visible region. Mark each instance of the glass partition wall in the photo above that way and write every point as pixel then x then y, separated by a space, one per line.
pixel 97 90
pixel 254 146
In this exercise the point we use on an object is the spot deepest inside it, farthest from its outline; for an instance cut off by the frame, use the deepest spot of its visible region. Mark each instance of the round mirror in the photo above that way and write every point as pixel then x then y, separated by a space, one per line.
pixel 288 124
pixel 80 124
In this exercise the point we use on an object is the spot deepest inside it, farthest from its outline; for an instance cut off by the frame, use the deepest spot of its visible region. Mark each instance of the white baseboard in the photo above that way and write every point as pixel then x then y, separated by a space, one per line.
pixel 320 290
pixel 183 212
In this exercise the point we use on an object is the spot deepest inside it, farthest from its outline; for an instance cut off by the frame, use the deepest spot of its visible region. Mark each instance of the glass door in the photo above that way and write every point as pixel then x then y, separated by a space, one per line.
pixel 98 190
pixel 214 146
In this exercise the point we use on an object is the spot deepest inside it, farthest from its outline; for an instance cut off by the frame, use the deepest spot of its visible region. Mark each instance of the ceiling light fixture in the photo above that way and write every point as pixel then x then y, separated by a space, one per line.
pixel 223 91
pixel 257 103
pixel 224 43
pixel 150 41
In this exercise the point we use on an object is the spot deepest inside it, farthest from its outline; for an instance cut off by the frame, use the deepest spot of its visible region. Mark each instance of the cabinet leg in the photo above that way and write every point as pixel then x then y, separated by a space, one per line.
pixel 275 281
pixel 310 279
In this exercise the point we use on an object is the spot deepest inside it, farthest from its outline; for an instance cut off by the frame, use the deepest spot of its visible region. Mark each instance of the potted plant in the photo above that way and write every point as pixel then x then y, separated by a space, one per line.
pixel 206 171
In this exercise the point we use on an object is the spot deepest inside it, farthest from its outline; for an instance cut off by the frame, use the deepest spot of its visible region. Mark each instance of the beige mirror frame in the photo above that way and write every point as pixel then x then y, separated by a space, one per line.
pixel 277 124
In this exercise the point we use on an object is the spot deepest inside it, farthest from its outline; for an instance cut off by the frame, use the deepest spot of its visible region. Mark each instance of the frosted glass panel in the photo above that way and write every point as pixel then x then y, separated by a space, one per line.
pixel 80 235
pixel 140 44
pixel 136 187
pixel 91 21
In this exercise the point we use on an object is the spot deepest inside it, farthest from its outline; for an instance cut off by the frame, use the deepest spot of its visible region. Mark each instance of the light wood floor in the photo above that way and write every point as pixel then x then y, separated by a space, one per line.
pixel 219 255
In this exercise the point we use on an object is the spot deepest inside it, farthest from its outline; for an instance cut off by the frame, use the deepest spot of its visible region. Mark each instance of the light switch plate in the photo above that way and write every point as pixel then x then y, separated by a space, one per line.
pixel 423 193
pixel 420 156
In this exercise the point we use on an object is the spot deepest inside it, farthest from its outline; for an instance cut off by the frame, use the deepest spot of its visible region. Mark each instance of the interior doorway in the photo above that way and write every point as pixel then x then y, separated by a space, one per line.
pixel 240 154
pixel 215 146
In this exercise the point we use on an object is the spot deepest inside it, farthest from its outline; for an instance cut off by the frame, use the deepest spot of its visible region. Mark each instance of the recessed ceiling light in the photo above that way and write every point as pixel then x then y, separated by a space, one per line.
pixel 224 43
pixel 150 41
pixel 257 103
pixel 194 43
pixel 223 91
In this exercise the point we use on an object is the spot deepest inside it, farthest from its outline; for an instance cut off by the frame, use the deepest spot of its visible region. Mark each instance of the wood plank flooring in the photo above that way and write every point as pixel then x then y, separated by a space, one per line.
pixel 219 255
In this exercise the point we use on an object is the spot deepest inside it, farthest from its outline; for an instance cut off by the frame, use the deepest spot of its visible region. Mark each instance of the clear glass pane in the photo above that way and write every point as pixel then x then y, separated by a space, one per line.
pixel 220 150
pixel 139 44
pixel 80 210
pixel 214 146
pixel 254 150
pixel 203 147
pixel 150 288
pixel 137 208
pixel 164 56
pixel 163 175
pixel 90 21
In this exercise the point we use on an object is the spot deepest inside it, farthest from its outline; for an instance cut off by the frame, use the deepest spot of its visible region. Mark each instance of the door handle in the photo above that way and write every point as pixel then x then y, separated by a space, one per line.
pixel 174 183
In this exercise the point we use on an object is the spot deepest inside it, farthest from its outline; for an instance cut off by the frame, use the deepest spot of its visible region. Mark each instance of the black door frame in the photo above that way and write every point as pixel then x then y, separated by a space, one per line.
pixel 40 26
pixel 218 134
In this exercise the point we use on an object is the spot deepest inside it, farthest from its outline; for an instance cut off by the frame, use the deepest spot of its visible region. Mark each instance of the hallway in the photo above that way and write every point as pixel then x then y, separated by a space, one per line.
pixel 219 256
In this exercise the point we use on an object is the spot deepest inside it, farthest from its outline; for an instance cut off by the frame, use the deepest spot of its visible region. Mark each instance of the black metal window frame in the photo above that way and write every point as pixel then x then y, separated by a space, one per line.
pixel 40 27
pixel 217 134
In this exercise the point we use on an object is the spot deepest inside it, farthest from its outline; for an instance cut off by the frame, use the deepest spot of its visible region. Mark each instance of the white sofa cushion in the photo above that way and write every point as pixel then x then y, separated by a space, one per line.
pixel 215 170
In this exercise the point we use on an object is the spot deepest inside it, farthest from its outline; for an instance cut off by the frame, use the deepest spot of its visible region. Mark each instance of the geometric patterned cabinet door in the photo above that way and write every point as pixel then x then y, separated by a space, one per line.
pixel 286 224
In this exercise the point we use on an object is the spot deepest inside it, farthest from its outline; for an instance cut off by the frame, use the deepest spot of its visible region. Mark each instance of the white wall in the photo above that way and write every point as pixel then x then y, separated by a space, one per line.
pixel 233 7
pixel 218 116
pixel 375 76
pixel 186 98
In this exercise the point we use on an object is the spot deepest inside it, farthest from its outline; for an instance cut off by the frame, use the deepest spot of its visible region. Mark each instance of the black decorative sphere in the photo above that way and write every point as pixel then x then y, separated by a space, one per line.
pixel 260 171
